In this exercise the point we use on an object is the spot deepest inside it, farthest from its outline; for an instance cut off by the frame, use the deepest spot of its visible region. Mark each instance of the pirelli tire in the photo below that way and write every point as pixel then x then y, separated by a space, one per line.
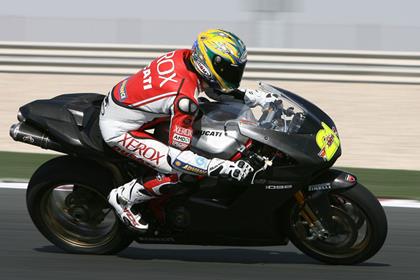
pixel 373 215
pixel 61 228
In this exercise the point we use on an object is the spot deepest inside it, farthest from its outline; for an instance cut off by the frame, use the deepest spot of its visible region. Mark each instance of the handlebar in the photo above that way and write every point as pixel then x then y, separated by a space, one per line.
pixel 276 117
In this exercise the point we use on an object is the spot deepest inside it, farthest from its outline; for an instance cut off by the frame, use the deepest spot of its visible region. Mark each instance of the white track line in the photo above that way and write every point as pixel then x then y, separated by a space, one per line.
pixel 13 185
pixel 404 203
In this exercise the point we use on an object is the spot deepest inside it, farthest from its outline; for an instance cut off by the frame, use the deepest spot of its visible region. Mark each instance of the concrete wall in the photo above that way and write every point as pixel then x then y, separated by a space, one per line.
pixel 326 24
pixel 378 124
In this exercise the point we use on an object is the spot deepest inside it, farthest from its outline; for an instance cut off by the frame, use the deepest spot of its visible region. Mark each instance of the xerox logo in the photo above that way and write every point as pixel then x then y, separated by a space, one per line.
pixel 141 149
pixel 165 68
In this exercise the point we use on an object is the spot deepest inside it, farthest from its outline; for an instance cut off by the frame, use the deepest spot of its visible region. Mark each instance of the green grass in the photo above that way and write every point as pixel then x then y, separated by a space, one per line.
pixel 389 183
pixel 384 183
pixel 20 165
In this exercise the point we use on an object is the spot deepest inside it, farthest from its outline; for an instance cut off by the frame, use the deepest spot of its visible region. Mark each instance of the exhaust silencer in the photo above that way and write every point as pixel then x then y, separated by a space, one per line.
pixel 25 133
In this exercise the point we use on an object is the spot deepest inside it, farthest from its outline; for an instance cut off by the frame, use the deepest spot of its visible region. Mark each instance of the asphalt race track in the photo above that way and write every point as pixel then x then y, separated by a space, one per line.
pixel 25 254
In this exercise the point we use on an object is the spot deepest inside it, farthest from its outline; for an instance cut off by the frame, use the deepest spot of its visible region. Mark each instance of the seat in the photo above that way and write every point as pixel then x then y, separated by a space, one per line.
pixel 71 119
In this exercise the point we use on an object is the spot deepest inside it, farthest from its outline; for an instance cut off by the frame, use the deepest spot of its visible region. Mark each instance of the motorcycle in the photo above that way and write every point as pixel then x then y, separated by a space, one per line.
pixel 294 194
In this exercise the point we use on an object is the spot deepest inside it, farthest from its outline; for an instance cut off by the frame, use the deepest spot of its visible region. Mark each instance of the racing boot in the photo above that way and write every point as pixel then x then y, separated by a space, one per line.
pixel 124 197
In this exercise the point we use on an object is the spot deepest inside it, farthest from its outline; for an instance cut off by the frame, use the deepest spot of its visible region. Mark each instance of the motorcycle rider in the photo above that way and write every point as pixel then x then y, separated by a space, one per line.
pixel 167 89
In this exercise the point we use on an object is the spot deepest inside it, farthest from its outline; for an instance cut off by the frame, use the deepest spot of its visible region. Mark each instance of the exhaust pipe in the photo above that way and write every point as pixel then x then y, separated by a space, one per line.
pixel 25 133
pixel 20 116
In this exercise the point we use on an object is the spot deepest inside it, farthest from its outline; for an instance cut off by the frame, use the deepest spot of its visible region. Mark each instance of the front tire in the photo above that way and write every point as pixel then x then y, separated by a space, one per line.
pixel 66 199
pixel 359 222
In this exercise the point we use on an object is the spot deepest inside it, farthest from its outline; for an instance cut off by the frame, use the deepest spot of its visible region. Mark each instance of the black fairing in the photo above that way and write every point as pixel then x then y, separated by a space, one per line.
pixel 72 120
pixel 337 178
pixel 300 146
pixel 217 208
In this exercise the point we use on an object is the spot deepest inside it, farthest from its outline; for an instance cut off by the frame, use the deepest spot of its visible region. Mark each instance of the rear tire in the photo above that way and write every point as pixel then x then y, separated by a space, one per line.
pixel 66 199
pixel 366 212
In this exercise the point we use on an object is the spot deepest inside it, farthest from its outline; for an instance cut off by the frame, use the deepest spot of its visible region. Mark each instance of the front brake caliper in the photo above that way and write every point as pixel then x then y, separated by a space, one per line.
pixel 316 228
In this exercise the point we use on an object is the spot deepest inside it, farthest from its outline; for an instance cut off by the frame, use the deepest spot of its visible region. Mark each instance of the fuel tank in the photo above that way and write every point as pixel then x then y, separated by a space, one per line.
pixel 216 133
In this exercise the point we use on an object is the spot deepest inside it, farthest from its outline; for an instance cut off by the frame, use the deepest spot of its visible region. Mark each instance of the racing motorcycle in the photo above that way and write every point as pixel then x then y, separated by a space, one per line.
pixel 294 194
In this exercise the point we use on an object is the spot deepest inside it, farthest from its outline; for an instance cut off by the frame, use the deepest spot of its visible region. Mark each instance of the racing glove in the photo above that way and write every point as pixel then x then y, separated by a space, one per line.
pixel 255 97
pixel 191 163
pixel 238 170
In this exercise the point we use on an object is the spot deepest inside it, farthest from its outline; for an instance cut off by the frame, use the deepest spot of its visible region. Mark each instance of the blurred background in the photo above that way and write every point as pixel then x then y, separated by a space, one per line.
pixel 321 24
pixel 358 60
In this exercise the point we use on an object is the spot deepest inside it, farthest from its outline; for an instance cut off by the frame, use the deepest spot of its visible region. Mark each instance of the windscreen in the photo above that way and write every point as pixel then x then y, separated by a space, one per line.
pixel 282 115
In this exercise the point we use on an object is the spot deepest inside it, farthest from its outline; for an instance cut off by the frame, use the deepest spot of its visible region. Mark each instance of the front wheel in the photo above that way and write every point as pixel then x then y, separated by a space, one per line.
pixel 66 199
pixel 359 228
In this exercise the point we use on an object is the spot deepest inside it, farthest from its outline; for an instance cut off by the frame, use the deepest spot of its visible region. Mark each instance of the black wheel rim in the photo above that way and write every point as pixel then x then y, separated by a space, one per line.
pixel 353 230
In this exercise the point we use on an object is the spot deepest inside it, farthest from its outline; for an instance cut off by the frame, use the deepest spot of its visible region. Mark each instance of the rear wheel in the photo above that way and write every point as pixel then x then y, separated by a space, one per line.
pixel 358 228
pixel 66 200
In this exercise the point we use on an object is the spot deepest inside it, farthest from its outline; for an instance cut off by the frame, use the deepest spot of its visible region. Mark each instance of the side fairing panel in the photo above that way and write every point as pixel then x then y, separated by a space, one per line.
pixel 215 133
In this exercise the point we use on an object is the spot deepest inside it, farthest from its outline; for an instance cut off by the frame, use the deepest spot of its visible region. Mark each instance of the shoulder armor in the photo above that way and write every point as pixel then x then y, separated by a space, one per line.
pixel 187 106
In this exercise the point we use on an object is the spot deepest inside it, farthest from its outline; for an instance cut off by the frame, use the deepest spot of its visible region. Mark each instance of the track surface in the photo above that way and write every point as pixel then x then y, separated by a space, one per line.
pixel 25 254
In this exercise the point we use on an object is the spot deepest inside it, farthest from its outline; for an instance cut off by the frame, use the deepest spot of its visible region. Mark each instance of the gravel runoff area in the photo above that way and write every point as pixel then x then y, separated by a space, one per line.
pixel 378 123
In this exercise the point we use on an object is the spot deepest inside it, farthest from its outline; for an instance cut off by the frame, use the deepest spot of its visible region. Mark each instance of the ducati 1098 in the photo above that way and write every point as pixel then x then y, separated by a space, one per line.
pixel 293 194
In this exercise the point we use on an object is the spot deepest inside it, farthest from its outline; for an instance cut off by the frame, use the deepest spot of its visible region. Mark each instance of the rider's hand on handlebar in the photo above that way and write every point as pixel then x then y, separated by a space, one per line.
pixel 238 170
pixel 255 97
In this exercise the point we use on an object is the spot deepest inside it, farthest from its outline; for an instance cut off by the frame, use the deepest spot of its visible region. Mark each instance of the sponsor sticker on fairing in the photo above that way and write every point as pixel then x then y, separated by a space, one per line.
pixel 319 187
pixel 211 133
pixel 278 187
pixel 328 142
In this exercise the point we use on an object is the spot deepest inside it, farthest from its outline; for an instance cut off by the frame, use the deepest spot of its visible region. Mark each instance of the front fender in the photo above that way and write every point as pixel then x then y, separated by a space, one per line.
pixel 318 190
pixel 333 179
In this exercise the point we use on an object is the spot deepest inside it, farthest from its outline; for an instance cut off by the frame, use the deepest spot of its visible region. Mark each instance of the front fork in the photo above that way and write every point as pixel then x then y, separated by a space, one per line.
pixel 316 228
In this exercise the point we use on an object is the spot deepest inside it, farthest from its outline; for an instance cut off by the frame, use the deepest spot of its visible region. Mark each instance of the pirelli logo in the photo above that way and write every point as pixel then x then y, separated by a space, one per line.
pixel 319 187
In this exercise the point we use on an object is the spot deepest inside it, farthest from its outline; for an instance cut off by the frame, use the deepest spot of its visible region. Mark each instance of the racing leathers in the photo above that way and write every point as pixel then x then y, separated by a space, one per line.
pixel 166 89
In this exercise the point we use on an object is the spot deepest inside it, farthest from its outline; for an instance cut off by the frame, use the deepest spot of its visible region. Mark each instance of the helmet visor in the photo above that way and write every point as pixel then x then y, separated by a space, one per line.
pixel 230 73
